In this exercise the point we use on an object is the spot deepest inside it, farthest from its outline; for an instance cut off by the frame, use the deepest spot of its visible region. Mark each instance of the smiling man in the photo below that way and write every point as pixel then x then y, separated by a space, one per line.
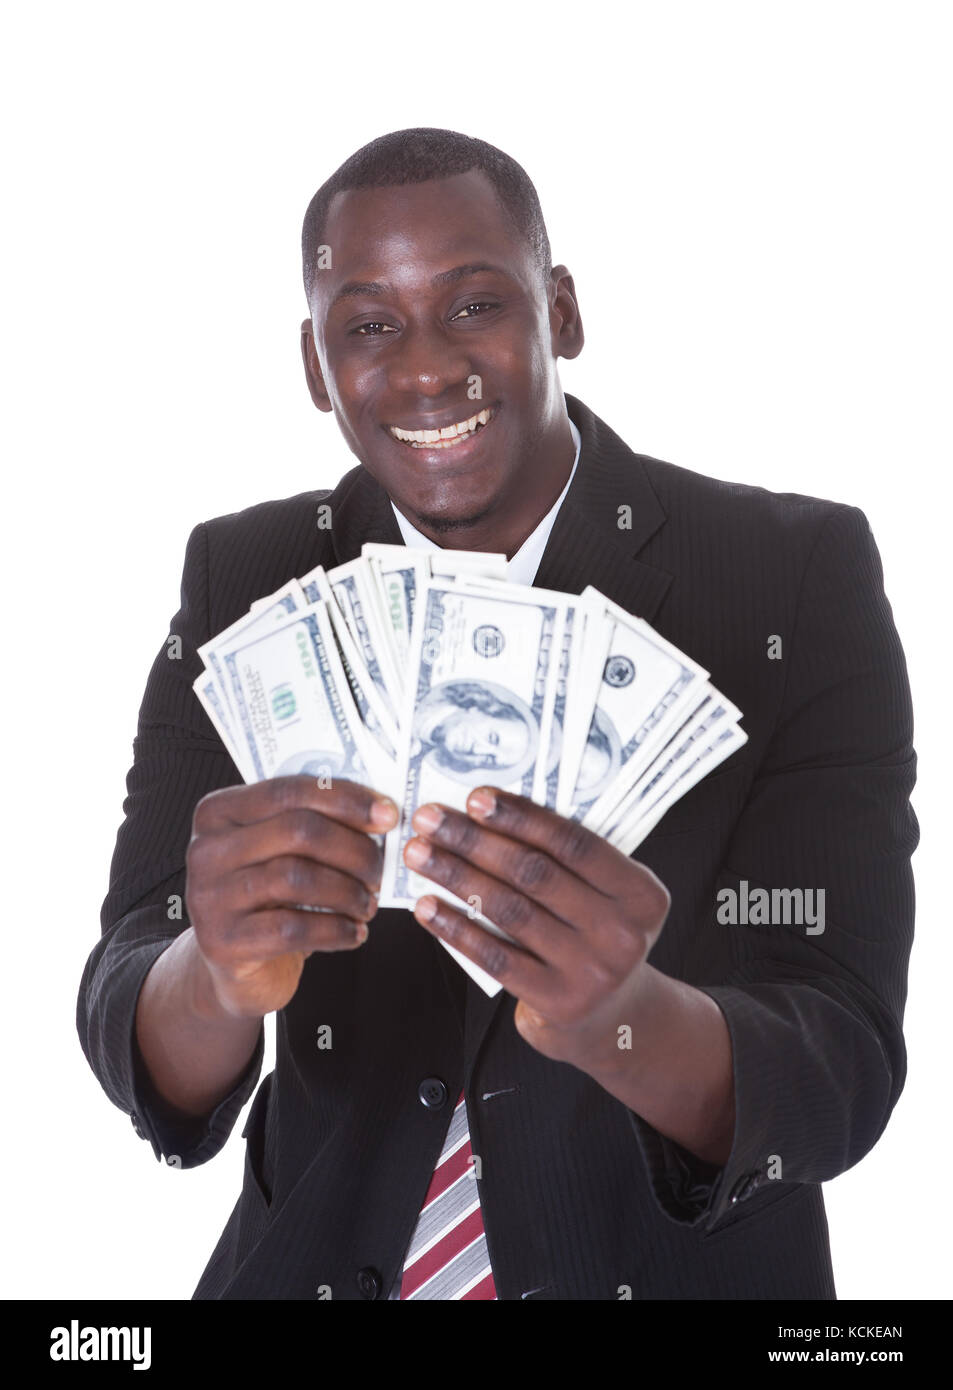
pixel 469 310
pixel 648 1107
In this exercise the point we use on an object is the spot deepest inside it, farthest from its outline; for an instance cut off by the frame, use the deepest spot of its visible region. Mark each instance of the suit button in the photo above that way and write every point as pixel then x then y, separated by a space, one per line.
pixel 432 1092
pixel 368 1282
pixel 744 1187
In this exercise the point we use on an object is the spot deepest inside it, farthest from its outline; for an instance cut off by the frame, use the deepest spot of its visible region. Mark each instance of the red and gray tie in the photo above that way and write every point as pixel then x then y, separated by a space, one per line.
pixel 448 1257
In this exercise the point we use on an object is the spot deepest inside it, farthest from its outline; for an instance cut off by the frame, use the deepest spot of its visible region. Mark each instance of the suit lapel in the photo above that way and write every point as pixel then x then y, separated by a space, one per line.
pixel 606 518
pixel 360 511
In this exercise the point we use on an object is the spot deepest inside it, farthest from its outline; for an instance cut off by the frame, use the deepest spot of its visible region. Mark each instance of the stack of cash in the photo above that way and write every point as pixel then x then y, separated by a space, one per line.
pixel 427 673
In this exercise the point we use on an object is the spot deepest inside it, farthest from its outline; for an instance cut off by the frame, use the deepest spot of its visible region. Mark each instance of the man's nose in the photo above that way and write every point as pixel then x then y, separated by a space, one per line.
pixel 427 361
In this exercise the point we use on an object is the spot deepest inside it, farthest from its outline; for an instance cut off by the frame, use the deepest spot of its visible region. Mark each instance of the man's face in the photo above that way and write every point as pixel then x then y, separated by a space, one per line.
pixel 431 313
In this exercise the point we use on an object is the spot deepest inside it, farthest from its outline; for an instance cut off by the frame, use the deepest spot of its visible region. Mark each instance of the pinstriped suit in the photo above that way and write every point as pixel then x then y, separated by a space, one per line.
pixel 581 1198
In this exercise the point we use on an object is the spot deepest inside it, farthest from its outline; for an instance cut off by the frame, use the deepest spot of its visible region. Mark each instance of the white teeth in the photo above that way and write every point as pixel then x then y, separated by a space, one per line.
pixel 443 438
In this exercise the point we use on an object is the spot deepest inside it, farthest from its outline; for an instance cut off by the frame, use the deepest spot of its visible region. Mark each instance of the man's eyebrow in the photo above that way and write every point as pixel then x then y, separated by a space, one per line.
pixel 354 289
pixel 461 272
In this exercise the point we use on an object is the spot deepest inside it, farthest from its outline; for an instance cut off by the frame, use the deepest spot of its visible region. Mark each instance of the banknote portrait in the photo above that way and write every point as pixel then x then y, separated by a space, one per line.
pixel 601 757
pixel 468 727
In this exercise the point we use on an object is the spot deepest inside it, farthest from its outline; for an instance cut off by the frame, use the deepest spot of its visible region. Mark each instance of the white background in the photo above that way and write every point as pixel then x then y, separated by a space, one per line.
pixel 754 202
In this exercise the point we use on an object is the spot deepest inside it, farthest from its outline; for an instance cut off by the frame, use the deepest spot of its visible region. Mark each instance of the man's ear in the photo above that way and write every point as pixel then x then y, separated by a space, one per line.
pixel 566 323
pixel 312 368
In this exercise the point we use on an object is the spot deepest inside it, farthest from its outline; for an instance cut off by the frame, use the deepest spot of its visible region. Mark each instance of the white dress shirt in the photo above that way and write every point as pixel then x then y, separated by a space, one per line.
pixel 525 563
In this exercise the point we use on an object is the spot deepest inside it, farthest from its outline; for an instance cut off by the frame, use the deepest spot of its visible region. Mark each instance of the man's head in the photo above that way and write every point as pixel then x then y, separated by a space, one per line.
pixel 417 156
pixel 433 303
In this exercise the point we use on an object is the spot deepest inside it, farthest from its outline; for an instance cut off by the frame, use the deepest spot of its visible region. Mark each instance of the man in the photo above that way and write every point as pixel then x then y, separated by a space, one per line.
pixel 649 1105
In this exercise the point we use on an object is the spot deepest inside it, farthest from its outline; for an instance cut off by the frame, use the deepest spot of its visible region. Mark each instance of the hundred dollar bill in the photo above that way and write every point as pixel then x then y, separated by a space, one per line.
pixel 667 765
pixel 398 572
pixel 265 613
pixel 640 699
pixel 710 744
pixel 486 572
pixel 351 585
pixel 570 678
pixel 207 689
pixel 370 706
pixel 587 659
pixel 294 704
pixel 478 707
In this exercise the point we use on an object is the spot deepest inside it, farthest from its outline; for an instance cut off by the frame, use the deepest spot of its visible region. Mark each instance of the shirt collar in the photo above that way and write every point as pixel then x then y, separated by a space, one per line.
pixel 523 567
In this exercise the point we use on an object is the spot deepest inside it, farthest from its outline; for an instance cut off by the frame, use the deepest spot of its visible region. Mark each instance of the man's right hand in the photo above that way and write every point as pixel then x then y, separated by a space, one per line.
pixel 258 857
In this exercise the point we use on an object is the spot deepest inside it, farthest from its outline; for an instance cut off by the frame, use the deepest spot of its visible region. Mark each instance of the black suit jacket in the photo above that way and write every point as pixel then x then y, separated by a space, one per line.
pixel 581 1198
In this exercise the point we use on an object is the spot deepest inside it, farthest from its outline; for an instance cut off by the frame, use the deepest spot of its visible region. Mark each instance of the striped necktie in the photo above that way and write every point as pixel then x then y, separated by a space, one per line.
pixel 448 1257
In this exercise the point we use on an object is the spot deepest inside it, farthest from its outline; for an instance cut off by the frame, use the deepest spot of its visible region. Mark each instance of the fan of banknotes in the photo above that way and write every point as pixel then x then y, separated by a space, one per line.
pixel 427 673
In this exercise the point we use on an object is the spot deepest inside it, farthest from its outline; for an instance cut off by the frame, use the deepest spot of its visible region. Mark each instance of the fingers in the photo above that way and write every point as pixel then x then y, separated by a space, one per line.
pixel 565 997
pixel 519 972
pixel 351 803
pixel 535 928
pixel 585 855
pixel 297 833
pixel 264 936
pixel 528 886
pixel 294 882
pixel 582 852
pixel 276 871
pixel 240 827
pixel 261 856
pixel 532 872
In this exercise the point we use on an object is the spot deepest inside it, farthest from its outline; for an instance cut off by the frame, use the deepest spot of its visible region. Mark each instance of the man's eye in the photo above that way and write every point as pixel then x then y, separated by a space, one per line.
pixel 362 328
pixel 468 309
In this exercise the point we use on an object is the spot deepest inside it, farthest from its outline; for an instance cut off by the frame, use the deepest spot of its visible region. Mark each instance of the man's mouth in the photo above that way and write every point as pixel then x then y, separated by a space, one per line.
pixel 449 437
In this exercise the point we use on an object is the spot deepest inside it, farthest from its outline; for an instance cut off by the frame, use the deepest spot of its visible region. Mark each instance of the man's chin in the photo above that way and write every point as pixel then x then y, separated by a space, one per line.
pixel 445 497
pixel 443 525
pixel 447 514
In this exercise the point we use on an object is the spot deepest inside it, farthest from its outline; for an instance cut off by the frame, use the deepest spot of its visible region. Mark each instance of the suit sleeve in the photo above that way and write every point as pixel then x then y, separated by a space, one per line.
pixel 815 1016
pixel 177 759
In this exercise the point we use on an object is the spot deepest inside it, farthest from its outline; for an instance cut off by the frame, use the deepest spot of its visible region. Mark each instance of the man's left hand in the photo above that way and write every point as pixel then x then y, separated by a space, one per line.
pixel 583 917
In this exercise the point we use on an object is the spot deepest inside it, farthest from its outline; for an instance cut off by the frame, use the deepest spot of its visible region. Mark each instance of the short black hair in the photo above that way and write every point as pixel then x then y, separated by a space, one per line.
pixel 415 156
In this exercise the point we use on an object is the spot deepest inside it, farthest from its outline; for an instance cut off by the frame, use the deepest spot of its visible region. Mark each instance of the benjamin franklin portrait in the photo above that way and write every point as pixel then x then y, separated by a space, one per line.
pixel 468 728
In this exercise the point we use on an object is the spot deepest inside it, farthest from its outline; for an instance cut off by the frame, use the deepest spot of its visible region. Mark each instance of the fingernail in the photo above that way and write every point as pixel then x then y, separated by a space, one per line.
pixel 426 908
pixel 384 813
pixel 427 818
pixel 416 852
pixel 482 802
